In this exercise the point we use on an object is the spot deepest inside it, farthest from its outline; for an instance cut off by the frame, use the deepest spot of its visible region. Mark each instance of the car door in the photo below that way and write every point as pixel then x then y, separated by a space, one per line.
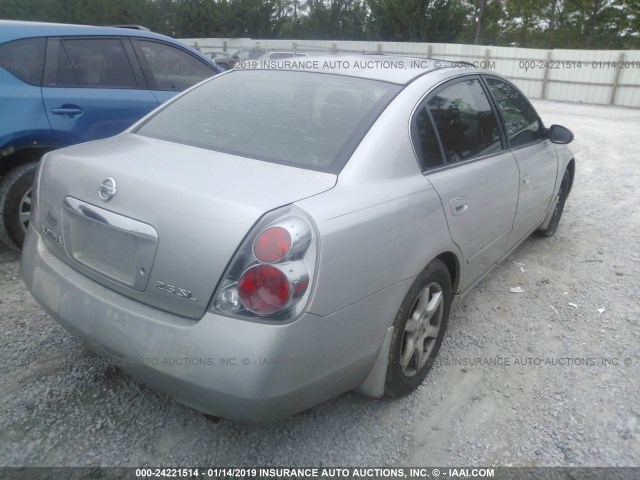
pixel 535 154
pixel 458 139
pixel 90 88
pixel 22 117
pixel 168 69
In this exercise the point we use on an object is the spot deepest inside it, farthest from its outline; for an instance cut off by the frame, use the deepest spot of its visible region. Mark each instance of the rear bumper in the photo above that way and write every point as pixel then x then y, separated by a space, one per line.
pixel 231 368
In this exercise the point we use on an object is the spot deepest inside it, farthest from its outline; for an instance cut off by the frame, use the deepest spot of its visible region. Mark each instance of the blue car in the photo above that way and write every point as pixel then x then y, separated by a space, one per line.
pixel 65 84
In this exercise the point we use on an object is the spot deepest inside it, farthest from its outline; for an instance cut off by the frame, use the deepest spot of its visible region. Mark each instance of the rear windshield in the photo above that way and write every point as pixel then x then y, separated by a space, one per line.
pixel 308 120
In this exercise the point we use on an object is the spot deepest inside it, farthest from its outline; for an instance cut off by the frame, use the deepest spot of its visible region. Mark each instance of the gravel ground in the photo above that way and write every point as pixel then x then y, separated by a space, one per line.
pixel 581 300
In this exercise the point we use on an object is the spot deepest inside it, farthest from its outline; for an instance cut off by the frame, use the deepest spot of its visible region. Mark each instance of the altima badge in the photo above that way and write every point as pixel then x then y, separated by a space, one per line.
pixel 107 189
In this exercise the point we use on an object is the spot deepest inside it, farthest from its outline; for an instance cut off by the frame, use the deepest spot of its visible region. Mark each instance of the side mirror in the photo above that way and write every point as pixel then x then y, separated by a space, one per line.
pixel 560 134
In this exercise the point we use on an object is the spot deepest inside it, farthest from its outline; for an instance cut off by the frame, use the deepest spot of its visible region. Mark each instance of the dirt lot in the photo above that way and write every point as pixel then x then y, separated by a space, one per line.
pixel 547 377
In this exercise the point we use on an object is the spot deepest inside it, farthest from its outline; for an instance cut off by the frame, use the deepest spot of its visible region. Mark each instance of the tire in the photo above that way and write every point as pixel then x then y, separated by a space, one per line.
pixel 15 204
pixel 561 198
pixel 418 319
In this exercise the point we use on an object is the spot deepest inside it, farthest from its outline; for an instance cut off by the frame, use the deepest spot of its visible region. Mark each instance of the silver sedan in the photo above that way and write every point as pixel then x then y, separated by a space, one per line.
pixel 254 258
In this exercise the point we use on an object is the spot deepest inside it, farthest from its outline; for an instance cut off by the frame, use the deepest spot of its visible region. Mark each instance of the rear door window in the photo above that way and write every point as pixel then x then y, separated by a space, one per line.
pixel 94 62
pixel 425 140
pixel 24 59
pixel 465 121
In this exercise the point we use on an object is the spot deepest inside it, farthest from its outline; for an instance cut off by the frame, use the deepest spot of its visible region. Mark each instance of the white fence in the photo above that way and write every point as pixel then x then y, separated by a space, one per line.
pixel 610 77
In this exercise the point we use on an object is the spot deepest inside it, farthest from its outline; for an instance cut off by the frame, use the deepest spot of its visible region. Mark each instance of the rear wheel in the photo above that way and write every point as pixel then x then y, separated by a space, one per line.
pixel 15 204
pixel 419 329
pixel 561 198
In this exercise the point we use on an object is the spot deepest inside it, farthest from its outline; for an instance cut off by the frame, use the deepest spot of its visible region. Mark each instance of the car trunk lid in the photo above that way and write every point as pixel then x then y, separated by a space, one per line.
pixel 175 218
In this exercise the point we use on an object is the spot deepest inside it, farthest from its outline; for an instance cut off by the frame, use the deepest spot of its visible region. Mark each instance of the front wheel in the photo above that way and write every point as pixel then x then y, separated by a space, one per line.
pixel 15 204
pixel 419 329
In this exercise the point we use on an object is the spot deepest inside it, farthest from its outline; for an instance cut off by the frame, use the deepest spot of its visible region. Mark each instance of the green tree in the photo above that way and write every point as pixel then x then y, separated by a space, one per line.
pixel 91 12
pixel 416 20
pixel 484 22
pixel 334 19
pixel 522 18
pixel 631 28
pixel 611 24
pixel 253 18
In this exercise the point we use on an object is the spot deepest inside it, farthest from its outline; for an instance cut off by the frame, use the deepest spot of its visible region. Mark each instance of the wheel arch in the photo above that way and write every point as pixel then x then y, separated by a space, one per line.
pixel 452 263
pixel 571 168
pixel 374 384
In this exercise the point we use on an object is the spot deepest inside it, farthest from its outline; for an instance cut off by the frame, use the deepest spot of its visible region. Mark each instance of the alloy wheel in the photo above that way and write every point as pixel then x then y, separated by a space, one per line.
pixel 421 329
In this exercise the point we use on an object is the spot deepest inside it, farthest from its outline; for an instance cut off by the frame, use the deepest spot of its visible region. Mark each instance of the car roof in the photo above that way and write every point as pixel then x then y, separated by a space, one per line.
pixel 14 30
pixel 396 69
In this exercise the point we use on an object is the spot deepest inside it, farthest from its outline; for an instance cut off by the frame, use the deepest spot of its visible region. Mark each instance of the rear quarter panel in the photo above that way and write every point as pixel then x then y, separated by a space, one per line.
pixel 383 223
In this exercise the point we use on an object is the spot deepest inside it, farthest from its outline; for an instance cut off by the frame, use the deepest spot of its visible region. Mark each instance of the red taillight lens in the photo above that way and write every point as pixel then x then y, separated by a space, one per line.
pixel 264 289
pixel 272 245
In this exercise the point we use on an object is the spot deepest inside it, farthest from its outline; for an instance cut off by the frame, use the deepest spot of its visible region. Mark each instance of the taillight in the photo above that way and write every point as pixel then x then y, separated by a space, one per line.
pixel 270 275
pixel 272 244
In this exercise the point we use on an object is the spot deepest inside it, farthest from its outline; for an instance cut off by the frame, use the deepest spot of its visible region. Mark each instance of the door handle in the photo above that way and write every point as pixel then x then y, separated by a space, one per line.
pixel 68 111
pixel 458 205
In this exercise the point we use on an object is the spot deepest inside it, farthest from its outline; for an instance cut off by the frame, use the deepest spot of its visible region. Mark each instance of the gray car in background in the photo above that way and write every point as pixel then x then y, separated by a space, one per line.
pixel 257 258
pixel 241 55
